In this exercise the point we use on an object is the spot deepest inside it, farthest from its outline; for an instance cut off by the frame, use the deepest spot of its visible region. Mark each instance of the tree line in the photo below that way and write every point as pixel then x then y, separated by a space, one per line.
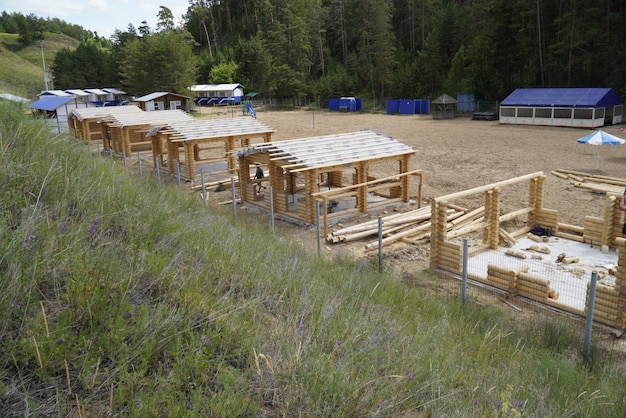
pixel 376 49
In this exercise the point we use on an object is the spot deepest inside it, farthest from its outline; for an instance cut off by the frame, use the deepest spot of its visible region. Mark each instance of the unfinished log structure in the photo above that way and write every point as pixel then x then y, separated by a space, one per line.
pixel 447 248
pixel 335 170
pixel 128 131
pixel 84 121
pixel 211 142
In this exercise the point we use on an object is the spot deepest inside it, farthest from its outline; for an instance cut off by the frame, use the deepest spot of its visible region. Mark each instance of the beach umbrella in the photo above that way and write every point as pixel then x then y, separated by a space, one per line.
pixel 598 138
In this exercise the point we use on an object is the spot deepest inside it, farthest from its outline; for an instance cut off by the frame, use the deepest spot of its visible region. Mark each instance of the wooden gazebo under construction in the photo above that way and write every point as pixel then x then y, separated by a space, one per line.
pixel 84 124
pixel 127 132
pixel 332 169
pixel 206 142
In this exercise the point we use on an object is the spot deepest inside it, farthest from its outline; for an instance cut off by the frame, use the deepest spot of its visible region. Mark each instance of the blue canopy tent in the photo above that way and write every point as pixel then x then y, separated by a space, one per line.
pixel 575 107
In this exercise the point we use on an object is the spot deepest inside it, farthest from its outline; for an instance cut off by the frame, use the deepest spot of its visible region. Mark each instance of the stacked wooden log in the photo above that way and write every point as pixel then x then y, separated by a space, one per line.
pixel 607 308
pixel 391 224
pixel 620 281
pixel 534 288
pixel 504 278
pixel 593 182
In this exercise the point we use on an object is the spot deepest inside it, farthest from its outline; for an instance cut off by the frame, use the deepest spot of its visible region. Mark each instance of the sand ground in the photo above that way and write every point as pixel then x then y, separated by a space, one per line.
pixel 461 153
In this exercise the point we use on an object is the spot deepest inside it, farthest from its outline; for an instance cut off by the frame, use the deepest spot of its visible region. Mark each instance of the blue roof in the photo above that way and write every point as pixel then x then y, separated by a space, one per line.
pixel 50 103
pixel 566 97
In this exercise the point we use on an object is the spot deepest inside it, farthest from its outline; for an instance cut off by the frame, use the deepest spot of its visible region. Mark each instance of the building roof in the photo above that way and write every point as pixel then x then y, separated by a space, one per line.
pixel 97 92
pixel 444 99
pixel 156 95
pixel 113 90
pixel 50 103
pixel 331 150
pixel 158 118
pixel 215 87
pixel 216 128
pixel 59 93
pixel 77 92
pixel 563 97
pixel 82 113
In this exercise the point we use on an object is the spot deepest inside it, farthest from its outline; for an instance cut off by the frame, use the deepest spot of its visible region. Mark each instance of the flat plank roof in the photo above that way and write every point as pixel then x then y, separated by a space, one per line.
pixel 216 128
pixel 100 112
pixel 331 150
pixel 157 117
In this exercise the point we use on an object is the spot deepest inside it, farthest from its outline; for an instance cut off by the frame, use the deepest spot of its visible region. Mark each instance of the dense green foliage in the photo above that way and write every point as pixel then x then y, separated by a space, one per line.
pixel 122 296
pixel 378 49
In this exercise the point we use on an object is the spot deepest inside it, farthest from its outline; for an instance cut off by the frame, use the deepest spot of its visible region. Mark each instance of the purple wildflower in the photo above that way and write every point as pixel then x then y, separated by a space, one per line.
pixel 63 227
pixel 339 342
pixel 301 327
pixel 53 216
pixel 475 401
pixel 409 375
pixel 520 404
pixel 92 229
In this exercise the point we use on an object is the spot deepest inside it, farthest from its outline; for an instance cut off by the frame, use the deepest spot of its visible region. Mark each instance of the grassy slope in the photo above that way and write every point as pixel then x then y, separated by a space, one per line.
pixel 21 68
pixel 122 297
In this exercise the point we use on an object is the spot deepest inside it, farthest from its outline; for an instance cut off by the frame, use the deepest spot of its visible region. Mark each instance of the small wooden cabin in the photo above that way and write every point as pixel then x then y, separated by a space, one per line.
pixel 333 169
pixel 84 122
pixel 206 143
pixel 163 101
pixel 128 130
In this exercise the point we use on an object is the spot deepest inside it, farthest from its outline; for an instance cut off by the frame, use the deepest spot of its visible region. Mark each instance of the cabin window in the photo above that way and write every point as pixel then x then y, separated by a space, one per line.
pixel 563 113
pixel 543 112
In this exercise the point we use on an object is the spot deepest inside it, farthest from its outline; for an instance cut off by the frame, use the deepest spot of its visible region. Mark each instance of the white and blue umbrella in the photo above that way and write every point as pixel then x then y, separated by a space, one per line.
pixel 601 138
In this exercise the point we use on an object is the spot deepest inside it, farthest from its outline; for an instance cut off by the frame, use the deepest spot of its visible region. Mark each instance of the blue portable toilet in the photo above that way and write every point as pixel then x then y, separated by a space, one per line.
pixel 333 104
pixel 422 106
pixel 347 104
pixel 407 106
pixel 392 106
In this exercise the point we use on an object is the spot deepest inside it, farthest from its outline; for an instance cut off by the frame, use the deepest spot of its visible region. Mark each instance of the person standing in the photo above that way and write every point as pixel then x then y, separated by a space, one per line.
pixel 258 175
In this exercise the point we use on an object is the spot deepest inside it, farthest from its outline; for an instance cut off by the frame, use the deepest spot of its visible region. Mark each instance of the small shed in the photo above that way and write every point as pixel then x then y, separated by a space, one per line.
pixel 443 107
pixel 336 170
pixel 56 108
pixel 206 143
pixel 163 101
pixel 217 94
pixel 127 131
pixel 84 122
pixel 574 107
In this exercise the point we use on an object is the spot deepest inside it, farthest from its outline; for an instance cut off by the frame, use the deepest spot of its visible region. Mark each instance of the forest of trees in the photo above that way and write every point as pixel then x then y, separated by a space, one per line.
pixel 376 49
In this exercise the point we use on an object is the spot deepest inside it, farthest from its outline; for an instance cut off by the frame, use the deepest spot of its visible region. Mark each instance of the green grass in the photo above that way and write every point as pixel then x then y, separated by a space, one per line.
pixel 21 70
pixel 121 296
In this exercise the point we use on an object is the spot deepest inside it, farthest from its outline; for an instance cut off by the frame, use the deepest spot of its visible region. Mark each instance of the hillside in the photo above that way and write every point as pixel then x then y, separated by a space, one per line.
pixel 121 296
pixel 21 68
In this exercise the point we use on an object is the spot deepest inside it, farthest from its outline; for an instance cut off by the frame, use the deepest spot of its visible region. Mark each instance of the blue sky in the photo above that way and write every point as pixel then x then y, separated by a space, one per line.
pixel 102 16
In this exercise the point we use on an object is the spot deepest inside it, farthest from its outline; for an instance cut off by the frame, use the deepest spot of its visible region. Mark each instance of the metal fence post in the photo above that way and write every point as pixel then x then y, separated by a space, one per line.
pixel 139 164
pixel 380 244
pixel 589 325
pixel 203 186
pixel 157 169
pixel 317 226
pixel 178 173
pixel 464 273
pixel 272 208
pixel 232 192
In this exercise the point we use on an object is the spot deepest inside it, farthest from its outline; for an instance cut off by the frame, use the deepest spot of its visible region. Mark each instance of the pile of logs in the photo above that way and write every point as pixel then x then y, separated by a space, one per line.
pixel 411 226
pixel 593 182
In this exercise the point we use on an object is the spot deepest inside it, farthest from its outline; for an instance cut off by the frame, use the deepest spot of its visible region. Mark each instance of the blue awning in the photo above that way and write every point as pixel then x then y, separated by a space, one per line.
pixel 564 97
pixel 50 103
